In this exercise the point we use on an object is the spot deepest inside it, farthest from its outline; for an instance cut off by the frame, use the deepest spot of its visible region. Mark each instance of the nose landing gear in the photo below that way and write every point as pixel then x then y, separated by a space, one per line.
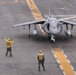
pixel 52 38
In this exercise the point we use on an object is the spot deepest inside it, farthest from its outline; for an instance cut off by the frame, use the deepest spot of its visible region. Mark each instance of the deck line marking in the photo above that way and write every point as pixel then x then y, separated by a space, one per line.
pixel 55 56
pixel 68 61
pixel 35 11
pixel 61 68
pixel 65 64
pixel 58 61
pixel 65 56
pixel 16 1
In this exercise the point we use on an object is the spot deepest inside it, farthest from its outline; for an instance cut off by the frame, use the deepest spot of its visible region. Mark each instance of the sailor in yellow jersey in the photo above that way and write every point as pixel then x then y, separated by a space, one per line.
pixel 41 60
pixel 9 42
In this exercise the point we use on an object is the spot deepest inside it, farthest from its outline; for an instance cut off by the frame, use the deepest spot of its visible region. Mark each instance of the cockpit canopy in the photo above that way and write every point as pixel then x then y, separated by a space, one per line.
pixel 53 22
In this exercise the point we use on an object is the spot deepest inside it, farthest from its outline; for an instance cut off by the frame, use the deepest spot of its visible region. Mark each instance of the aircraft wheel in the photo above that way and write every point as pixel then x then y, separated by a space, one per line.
pixel 53 40
pixel 71 36
pixel 29 35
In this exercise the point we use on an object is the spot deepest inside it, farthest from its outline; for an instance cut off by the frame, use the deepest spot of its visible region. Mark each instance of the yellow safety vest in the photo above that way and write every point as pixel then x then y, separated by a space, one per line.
pixel 8 43
pixel 40 56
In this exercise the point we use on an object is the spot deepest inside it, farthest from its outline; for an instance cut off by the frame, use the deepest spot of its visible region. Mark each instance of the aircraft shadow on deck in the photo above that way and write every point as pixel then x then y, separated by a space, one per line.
pixel 41 38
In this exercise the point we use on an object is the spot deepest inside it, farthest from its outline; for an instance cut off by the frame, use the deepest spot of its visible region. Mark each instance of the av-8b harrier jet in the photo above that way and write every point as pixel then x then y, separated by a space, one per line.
pixel 51 26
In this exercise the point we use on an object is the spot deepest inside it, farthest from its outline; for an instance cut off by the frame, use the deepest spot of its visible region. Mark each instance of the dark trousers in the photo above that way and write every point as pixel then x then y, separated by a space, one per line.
pixel 41 63
pixel 9 50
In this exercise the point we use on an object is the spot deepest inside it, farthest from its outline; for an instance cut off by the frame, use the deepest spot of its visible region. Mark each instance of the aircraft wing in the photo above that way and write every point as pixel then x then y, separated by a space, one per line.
pixel 30 23
pixel 68 22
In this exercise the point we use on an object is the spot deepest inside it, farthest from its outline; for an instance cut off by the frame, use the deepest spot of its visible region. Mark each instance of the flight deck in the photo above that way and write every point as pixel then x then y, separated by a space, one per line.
pixel 60 57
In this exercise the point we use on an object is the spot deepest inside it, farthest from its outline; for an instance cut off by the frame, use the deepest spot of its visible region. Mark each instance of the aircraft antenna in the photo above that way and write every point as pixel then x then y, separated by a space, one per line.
pixel 49 10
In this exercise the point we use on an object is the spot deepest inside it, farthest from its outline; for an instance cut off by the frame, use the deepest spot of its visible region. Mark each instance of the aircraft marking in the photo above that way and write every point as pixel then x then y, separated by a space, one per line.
pixel 64 63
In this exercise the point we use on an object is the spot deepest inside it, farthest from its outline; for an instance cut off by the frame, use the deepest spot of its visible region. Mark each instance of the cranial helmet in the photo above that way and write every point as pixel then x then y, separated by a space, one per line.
pixel 40 51
pixel 9 39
